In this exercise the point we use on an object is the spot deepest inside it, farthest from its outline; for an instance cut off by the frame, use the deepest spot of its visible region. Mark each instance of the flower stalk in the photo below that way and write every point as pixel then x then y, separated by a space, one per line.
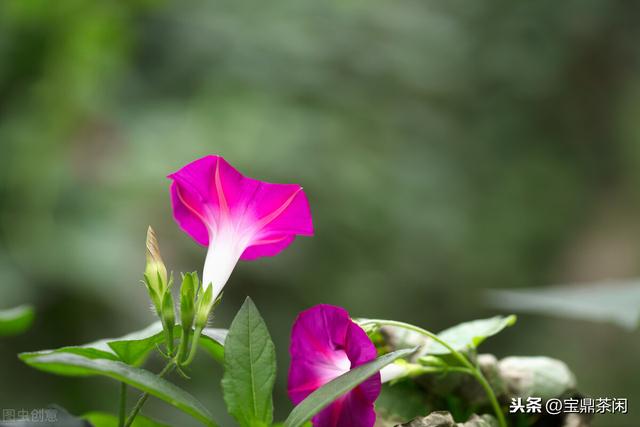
pixel 122 413
pixel 143 398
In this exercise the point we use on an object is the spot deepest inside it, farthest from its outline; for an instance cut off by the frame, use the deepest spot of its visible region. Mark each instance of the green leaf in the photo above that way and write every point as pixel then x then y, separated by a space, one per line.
pixel 322 397
pixel 134 348
pixel 15 320
pixel 469 335
pixel 61 416
pixel 249 368
pixel 77 365
pixel 87 351
pixel 616 302
pixel 212 340
pixel 102 419
pixel 402 401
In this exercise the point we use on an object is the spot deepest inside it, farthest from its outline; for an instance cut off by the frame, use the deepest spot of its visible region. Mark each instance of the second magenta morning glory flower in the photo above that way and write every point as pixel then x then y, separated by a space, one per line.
pixel 326 343
pixel 235 216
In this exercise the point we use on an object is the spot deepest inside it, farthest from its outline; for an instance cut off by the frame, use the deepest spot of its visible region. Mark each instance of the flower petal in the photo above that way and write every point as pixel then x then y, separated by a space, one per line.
pixel 188 212
pixel 354 409
pixel 209 193
pixel 326 343
pixel 281 208
pixel 267 246
pixel 358 346
pixel 319 331
pixel 279 212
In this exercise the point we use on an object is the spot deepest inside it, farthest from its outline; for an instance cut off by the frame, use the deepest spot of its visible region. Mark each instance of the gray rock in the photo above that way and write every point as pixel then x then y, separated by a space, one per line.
pixel 444 419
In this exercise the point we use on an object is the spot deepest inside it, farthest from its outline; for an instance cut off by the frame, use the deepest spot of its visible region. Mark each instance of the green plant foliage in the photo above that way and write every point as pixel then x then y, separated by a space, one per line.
pixel 90 351
pixel 212 340
pixel 103 419
pixel 326 394
pixel 249 368
pixel 134 348
pixel 187 297
pixel 402 401
pixel 16 320
pixel 76 365
pixel 617 302
pixel 501 134
pixel 469 335
pixel 62 419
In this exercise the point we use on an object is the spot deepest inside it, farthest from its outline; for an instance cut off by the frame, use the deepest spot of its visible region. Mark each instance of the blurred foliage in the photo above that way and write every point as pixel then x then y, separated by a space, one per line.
pixel 446 147
pixel 15 320
pixel 615 302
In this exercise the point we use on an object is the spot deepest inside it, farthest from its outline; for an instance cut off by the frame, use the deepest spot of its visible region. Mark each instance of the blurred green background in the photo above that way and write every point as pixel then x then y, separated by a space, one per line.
pixel 446 147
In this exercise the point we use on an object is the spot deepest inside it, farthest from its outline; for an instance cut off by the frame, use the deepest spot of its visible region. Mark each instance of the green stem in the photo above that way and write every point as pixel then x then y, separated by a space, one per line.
pixel 143 398
pixel 123 405
pixel 456 369
pixel 184 345
pixel 194 347
pixel 492 396
pixel 473 370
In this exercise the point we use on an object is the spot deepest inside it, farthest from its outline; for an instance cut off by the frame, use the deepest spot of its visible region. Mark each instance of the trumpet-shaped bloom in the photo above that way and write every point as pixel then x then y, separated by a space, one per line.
pixel 235 216
pixel 326 343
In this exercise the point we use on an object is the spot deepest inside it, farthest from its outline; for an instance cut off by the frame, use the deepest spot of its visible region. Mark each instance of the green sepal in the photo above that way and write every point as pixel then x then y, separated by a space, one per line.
pixel 168 310
pixel 154 296
pixel 187 300
pixel 205 304
pixel 168 318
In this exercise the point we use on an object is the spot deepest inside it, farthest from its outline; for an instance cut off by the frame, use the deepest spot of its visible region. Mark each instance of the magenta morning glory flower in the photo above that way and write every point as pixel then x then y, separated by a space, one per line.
pixel 235 216
pixel 326 343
